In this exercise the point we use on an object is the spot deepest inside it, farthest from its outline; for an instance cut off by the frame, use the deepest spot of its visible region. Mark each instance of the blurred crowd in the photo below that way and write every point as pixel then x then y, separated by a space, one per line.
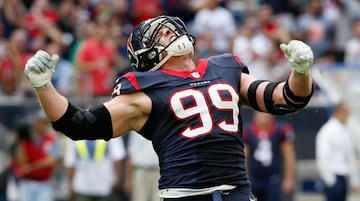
pixel 90 36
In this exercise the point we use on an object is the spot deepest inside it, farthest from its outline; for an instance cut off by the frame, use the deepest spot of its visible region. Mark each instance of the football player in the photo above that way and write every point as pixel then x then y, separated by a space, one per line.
pixel 190 110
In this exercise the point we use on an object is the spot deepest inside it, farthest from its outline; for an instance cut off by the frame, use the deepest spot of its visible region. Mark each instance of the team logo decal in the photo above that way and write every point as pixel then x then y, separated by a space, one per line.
pixel 195 74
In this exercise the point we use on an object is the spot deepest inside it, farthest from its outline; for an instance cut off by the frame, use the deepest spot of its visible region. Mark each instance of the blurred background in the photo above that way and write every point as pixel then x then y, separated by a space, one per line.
pixel 90 36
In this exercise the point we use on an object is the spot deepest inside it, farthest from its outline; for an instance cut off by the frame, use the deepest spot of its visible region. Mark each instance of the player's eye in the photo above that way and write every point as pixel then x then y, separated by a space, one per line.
pixel 155 40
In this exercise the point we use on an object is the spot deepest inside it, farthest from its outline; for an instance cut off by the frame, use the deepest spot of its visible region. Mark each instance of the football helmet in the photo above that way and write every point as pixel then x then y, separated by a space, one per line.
pixel 145 53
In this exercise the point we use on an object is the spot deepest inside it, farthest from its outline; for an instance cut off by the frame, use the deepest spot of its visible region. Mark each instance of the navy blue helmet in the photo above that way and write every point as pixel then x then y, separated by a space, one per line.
pixel 146 53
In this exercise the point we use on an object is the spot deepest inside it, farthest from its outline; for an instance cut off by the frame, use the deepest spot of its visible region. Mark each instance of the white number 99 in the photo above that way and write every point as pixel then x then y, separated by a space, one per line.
pixel 201 109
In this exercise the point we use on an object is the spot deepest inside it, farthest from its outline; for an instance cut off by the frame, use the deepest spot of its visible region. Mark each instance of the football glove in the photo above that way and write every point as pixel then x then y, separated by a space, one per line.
pixel 299 55
pixel 39 69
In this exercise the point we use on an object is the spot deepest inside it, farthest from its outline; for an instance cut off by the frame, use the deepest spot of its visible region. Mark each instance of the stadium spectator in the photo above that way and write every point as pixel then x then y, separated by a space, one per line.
pixel 213 26
pixel 94 168
pixel 143 170
pixel 144 9
pixel 95 63
pixel 85 30
pixel 35 158
pixel 257 45
pixel 179 8
pixel 278 6
pixel 12 82
pixel 5 144
pixel 12 14
pixel 348 11
pixel 120 28
pixel 41 22
pixel 352 47
pixel 242 41
pixel 3 42
pixel 190 110
pixel 316 28
pixel 242 9
pixel 270 154
pixel 69 20
pixel 335 155
pixel 63 78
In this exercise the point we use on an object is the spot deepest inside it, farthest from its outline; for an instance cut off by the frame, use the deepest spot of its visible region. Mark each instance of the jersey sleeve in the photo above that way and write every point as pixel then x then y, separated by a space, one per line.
pixel 125 84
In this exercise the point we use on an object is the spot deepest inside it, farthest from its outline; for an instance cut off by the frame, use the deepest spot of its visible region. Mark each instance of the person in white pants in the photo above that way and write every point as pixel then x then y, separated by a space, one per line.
pixel 142 169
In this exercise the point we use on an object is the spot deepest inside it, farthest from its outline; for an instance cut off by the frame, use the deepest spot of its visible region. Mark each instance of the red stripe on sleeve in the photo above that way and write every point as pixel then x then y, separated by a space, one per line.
pixel 132 79
pixel 237 59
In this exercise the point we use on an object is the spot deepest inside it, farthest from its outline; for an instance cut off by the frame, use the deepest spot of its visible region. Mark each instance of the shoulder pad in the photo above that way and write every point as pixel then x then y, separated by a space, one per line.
pixel 228 60
pixel 138 81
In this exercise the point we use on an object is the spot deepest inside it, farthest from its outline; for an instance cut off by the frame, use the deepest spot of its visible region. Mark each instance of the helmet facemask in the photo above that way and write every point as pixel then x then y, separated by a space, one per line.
pixel 146 53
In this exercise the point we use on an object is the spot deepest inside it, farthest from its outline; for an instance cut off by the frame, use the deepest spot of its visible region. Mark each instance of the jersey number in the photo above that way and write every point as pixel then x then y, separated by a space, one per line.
pixel 200 108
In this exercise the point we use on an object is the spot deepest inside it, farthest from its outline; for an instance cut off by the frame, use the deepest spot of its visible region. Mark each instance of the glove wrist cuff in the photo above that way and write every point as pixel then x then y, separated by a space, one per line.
pixel 301 70
pixel 301 73
pixel 41 87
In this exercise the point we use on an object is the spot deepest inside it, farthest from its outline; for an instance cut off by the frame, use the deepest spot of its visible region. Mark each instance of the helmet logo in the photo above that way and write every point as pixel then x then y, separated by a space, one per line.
pixel 152 55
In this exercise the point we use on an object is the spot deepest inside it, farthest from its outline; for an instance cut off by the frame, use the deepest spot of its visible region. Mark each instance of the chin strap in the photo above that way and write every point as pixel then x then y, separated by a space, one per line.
pixel 179 47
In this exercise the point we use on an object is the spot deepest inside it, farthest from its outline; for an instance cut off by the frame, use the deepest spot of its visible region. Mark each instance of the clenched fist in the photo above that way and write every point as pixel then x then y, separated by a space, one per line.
pixel 39 68
pixel 299 55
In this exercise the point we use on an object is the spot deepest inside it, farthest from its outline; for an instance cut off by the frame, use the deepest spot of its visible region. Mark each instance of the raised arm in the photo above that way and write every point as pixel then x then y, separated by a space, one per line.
pixel 38 70
pixel 103 121
pixel 290 96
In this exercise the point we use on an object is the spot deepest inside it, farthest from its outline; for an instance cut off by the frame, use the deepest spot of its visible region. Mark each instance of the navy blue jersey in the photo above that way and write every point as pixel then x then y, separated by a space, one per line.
pixel 265 158
pixel 195 123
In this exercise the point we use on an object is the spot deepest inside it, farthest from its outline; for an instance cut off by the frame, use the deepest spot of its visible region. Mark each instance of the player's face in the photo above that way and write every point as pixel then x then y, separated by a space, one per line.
pixel 165 36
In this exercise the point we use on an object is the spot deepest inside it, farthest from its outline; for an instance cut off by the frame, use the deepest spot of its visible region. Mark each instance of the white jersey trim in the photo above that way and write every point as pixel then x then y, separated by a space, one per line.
pixel 186 192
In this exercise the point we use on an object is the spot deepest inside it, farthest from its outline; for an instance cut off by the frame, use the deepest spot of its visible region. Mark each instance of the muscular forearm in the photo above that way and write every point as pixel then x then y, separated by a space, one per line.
pixel 300 85
pixel 74 122
pixel 53 103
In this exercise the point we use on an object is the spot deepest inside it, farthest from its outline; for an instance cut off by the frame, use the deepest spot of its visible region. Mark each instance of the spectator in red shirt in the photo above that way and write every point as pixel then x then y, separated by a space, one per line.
pixel 145 9
pixel 34 159
pixel 41 23
pixel 95 63
pixel 12 62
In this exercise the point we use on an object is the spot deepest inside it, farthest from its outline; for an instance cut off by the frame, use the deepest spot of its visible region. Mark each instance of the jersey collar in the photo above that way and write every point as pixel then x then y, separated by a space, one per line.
pixel 196 74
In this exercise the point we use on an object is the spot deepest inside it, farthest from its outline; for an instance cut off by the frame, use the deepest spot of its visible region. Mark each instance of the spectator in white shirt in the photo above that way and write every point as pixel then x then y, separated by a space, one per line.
pixel 94 168
pixel 143 170
pixel 352 47
pixel 335 155
pixel 213 27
